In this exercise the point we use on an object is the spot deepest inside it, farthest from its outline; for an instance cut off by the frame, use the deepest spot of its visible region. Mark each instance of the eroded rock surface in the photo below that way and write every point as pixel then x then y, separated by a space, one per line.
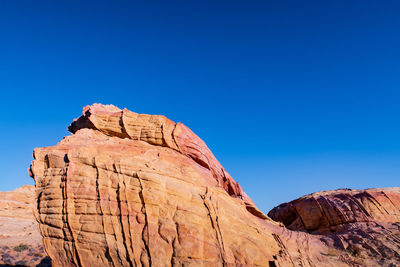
pixel 128 189
pixel 20 240
pixel 366 223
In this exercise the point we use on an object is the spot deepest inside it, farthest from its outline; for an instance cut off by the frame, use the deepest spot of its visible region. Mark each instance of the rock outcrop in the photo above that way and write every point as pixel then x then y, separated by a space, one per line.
pixel 128 189
pixel 20 240
pixel 366 223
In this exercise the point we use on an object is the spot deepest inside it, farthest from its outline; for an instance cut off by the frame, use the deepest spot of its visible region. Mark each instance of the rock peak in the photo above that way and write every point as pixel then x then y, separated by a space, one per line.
pixel 160 131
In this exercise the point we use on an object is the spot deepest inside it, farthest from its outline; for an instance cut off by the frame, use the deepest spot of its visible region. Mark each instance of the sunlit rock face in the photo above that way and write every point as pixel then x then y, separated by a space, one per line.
pixel 20 240
pixel 128 189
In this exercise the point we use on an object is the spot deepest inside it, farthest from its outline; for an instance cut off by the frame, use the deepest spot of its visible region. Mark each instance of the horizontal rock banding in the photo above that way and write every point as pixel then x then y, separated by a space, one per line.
pixel 155 130
pixel 128 189
pixel 323 210
pixel 364 223
pixel 138 190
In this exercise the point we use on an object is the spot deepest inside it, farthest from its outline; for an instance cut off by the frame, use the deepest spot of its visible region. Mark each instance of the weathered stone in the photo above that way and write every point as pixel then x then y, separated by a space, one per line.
pixel 20 240
pixel 365 223
pixel 128 189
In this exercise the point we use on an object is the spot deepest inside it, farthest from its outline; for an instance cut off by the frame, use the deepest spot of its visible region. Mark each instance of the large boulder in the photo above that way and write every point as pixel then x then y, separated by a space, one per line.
pixel 128 189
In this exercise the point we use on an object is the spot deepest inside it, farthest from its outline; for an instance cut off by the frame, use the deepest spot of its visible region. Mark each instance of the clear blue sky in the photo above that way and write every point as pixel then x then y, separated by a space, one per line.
pixel 291 96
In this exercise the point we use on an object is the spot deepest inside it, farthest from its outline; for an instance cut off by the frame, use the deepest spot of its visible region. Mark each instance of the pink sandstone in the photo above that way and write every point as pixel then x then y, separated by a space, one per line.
pixel 128 189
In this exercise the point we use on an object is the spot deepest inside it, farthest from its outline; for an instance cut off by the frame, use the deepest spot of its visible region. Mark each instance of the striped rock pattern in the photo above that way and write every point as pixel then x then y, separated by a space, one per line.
pixel 128 189
pixel 366 223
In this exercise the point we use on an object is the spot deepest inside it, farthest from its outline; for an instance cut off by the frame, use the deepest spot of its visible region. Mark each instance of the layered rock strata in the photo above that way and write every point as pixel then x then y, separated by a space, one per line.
pixel 128 189
pixel 365 223
pixel 20 240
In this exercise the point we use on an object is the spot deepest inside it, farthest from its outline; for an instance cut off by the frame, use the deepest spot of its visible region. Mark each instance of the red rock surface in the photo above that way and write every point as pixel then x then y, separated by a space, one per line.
pixel 20 240
pixel 366 223
pixel 128 189
pixel 159 131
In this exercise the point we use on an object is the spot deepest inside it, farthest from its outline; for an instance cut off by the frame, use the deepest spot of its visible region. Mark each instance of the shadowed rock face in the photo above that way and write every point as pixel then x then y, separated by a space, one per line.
pixel 128 189
pixel 366 223
pixel 20 240
pixel 324 212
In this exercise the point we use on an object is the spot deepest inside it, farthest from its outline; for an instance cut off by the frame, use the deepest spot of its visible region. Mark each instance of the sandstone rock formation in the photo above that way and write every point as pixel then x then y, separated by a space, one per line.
pixel 128 189
pixel 366 223
pixel 20 240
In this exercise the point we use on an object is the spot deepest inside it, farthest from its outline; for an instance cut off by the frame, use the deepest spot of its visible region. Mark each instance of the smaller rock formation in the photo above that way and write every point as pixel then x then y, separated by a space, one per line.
pixel 20 239
pixel 365 223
